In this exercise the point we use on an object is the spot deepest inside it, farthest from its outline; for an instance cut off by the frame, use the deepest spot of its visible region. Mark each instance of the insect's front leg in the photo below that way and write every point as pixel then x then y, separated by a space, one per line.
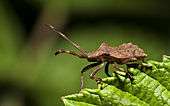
pixel 93 74
pixel 86 69
pixel 70 52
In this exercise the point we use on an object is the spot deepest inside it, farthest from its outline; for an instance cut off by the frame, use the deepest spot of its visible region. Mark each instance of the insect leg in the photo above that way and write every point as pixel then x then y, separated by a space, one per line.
pixel 107 69
pixel 119 70
pixel 131 65
pixel 70 52
pixel 93 74
pixel 128 74
pixel 140 65
pixel 85 69
pixel 145 66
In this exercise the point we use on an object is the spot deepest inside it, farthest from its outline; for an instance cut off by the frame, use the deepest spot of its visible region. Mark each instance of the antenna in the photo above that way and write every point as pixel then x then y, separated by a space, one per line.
pixel 66 38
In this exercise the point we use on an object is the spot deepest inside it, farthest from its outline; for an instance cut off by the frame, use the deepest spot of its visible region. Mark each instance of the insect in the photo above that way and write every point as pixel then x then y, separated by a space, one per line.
pixel 104 56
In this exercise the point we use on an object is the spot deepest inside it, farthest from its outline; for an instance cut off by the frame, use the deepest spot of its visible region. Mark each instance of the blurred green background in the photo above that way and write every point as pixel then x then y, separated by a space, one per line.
pixel 30 74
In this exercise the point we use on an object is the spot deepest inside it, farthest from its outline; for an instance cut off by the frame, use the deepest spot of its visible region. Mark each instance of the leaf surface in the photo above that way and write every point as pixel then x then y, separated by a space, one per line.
pixel 149 88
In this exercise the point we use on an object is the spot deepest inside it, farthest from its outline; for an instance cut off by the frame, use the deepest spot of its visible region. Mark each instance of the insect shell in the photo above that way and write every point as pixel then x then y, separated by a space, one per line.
pixel 121 54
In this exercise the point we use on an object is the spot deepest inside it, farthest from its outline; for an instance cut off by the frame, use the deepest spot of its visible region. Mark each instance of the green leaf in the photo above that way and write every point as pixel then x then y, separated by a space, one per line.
pixel 149 88
pixel 68 102
pixel 108 96
pixel 160 71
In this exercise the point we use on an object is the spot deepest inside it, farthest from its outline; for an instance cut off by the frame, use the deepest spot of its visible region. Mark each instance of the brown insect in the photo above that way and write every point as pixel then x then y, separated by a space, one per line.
pixel 105 54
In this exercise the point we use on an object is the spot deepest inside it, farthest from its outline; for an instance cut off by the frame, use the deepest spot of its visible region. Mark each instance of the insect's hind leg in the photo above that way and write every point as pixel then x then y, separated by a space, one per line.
pixel 86 69
pixel 117 67
pixel 129 75
pixel 70 52
pixel 123 71
pixel 139 65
